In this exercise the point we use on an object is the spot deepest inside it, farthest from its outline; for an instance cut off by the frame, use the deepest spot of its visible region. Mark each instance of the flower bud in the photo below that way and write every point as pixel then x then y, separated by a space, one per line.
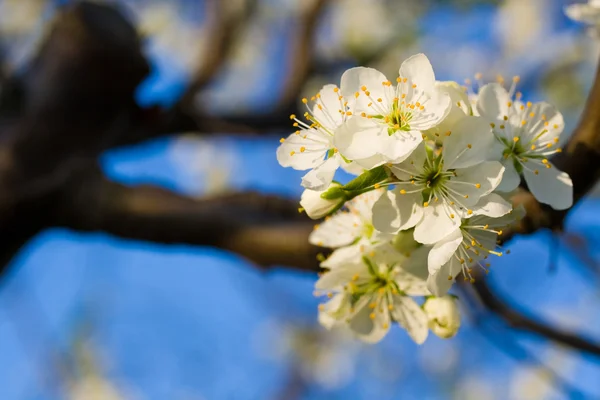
pixel 443 315
pixel 319 204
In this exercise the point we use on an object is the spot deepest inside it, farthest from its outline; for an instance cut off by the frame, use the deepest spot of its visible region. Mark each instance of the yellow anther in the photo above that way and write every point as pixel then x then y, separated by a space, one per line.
pixel 368 93
pixel 363 114
pixel 451 215
pixel 302 149
pixel 372 315
pixel 390 307
pixel 516 79
pixel 555 126
pixel 505 117
pixel 478 185
pixel 418 104
pixel 398 79
pixel 305 100
pixel 414 86
pixel 425 204
pixel 510 104
pixel 518 95
pixel 330 295
pixel 531 115
pixel 293 116
pixel 381 291
pixel 321 307
pixel 559 150
pixel 536 172
pixel 516 139
pixel 493 125
pixel 355 277
pixel 448 133
pixel 356 94
pixel 335 90
pixel 320 106
pixel 469 146
pixel 363 88
pixel 545 161
pixel 281 140
pixel 292 153
pixel 450 277
pixel 501 126
pixel 380 99
pixel 404 80
pixel 402 191
pixel 469 212
pixel 403 95
pixel 466 196
pixel 372 305
pixel 523 122
pixel 533 146
pixel 348 113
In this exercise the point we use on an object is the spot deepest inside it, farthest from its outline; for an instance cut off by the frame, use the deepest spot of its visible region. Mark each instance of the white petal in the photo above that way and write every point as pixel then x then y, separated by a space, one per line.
pixel 438 283
pixel 547 119
pixel 328 114
pixel 344 256
pixel 353 167
pixel 468 144
pixel 398 147
pixel 443 250
pixel 394 211
pixel 492 102
pixel 550 186
pixel 437 107
pixel 487 174
pixel 321 176
pixel 339 230
pixel 418 70
pixel 510 179
pixel 493 206
pixel 368 329
pixel 353 81
pixel 360 138
pixel 411 317
pixel 334 310
pixel 336 278
pixel 300 152
pixel 413 165
pixel 435 225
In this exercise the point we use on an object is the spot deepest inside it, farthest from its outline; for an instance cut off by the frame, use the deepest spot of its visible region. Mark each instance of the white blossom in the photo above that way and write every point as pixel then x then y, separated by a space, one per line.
pixel 527 134
pixel 370 293
pixel 350 226
pixel 311 146
pixel 588 13
pixel 436 189
pixel 443 315
pixel 470 245
pixel 388 119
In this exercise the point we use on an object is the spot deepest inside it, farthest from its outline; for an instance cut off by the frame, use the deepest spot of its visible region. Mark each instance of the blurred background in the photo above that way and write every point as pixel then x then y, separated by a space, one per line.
pixel 91 316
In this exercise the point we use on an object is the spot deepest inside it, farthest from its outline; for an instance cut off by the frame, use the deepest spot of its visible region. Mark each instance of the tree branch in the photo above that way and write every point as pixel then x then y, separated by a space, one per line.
pixel 267 230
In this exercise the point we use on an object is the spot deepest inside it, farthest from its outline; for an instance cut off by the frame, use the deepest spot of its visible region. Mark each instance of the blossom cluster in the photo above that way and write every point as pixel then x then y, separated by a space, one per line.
pixel 435 164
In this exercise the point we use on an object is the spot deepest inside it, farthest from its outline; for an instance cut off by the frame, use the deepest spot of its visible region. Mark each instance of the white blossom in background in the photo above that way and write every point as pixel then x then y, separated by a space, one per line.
pixel 431 203
pixel 311 147
pixel 527 134
pixel 588 13
pixel 443 315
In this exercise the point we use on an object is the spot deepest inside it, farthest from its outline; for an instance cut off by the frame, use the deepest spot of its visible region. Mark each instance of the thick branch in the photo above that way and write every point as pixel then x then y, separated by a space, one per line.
pixel 266 229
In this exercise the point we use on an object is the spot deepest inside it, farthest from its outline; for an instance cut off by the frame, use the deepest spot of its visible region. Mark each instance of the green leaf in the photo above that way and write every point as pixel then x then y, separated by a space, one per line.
pixel 366 180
